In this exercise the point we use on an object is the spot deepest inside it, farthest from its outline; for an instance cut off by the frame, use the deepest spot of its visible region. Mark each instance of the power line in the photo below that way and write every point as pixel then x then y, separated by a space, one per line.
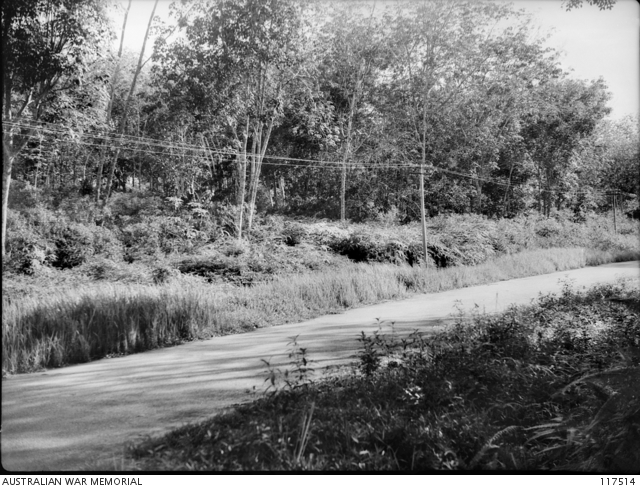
pixel 284 161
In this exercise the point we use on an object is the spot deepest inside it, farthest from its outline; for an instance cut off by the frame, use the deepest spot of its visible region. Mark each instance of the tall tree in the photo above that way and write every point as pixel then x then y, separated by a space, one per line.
pixel 46 46
pixel 355 46
pixel 439 56
pixel 232 68
pixel 566 114
pixel 114 81
pixel 125 114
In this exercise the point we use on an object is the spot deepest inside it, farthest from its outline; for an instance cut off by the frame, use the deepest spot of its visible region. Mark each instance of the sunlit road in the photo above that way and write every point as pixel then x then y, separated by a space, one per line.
pixel 65 419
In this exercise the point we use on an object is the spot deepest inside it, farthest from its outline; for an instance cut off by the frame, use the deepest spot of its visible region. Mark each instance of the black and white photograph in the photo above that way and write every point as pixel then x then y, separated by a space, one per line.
pixel 320 237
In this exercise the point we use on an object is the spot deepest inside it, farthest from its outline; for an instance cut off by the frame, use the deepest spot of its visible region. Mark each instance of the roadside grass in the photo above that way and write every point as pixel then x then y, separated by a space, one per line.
pixel 78 325
pixel 551 386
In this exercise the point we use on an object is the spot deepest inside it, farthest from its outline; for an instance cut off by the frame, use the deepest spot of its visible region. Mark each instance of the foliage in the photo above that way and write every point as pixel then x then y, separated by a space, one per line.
pixel 601 4
pixel 536 388
pixel 131 304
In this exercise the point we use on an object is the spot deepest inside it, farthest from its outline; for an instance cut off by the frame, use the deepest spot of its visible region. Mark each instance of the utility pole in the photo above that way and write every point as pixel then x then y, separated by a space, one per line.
pixel 615 228
pixel 423 163
pixel 614 201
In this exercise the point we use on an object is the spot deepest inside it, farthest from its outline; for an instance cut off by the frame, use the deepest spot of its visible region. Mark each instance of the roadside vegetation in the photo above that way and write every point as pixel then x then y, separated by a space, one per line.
pixel 153 275
pixel 551 386
pixel 149 200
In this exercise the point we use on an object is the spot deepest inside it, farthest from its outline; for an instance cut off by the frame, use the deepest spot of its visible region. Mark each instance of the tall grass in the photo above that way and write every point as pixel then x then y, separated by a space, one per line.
pixel 75 326
pixel 550 386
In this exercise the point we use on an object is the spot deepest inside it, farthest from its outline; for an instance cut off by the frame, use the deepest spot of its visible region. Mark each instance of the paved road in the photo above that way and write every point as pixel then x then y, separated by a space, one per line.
pixel 65 419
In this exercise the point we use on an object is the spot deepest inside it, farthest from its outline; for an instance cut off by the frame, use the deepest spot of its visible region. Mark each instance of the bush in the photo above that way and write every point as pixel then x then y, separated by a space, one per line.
pixel 293 234
pixel 83 209
pixel 163 274
pixel 74 244
pixel 231 270
pixel 23 196
pixel 368 249
pixel 106 243
pixel 142 238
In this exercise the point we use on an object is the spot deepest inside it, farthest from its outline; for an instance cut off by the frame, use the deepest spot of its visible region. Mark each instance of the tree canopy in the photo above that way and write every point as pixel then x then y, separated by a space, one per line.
pixel 333 109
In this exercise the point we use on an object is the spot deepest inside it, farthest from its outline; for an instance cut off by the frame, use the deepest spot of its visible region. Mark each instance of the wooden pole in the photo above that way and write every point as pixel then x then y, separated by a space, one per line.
pixel 615 227
pixel 423 217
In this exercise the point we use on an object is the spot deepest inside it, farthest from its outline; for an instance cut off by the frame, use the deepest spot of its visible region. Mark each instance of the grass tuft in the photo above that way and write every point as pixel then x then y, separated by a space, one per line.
pixel 552 386
pixel 72 326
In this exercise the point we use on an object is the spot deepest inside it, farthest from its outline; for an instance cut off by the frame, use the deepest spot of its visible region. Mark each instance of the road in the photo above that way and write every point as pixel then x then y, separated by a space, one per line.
pixel 69 418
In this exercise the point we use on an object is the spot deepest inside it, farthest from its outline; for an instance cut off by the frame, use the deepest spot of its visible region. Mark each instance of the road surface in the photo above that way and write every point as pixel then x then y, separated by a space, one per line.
pixel 70 418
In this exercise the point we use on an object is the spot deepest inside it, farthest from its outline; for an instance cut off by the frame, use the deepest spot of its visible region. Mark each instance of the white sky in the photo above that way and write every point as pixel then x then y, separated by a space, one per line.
pixel 595 43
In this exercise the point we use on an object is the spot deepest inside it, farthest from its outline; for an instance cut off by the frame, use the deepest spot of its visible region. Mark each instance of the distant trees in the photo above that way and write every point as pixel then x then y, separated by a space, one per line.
pixel 334 110
pixel 458 91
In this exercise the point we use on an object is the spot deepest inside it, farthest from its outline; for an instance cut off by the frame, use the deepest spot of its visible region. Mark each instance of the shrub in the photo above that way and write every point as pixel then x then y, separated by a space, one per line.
pixel 293 234
pixel 135 204
pixel 233 248
pixel 106 243
pixel 142 238
pixel 83 209
pixel 74 244
pixel 23 196
pixel 367 248
pixel 100 269
pixel 229 269
pixel 163 274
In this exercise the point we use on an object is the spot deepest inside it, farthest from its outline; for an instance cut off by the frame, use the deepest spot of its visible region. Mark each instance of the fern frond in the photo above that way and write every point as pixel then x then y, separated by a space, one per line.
pixel 490 444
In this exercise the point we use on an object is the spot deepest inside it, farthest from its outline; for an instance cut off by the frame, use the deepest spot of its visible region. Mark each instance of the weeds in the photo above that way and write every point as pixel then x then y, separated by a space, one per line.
pixel 553 386
pixel 299 374
pixel 40 332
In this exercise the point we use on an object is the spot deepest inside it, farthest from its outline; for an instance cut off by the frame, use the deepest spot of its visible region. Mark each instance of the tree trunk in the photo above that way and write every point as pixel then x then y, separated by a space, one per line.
pixel 242 179
pixel 123 121
pixel 478 206
pixel 282 191
pixel 345 156
pixel 116 74
pixel 6 183
pixel 262 148
pixel 506 192
pixel 423 216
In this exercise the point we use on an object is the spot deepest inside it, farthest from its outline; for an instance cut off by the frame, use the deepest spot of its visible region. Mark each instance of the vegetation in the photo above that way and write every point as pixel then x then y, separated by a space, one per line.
pixel 156 273
pixel 552 386
pixel 325 110
pixel 270 163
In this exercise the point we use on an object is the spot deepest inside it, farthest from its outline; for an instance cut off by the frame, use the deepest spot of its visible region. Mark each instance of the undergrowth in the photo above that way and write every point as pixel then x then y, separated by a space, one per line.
pixel 552 386
pixel 77 325
pixel 82 281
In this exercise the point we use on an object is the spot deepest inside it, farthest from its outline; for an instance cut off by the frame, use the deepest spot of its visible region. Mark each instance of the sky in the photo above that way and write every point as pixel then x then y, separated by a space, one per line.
pixel 595 43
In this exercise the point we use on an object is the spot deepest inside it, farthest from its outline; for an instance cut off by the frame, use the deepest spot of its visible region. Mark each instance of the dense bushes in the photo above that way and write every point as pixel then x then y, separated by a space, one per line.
pixel 64 232
pixel 38 237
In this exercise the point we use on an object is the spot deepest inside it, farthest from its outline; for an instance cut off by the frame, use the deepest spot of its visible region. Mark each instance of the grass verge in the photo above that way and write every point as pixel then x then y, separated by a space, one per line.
pixel 552 386
pixel 72 326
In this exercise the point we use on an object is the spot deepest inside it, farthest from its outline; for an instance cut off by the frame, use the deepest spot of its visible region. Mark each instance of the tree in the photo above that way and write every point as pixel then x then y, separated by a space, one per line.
pixel 441 55
pixel 566 114
pixel 608 161
pixel 123 120
pixel 46 48
pixel 114 81
pixel 355 53
pixel 601 4
pixel 232 68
